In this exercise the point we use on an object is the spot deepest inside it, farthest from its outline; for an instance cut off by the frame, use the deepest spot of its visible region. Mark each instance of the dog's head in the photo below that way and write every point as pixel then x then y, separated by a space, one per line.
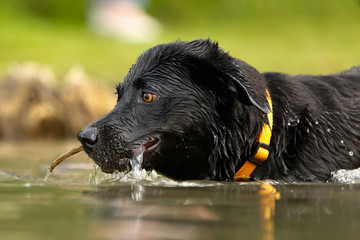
pixel 177 103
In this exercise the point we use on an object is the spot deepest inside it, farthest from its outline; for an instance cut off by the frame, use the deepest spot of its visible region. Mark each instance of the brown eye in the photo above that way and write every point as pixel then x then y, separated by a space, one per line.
pixel 149 97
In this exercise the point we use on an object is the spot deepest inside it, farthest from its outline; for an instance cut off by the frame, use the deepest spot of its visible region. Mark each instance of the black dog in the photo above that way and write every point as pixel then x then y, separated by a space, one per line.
pixel 198 112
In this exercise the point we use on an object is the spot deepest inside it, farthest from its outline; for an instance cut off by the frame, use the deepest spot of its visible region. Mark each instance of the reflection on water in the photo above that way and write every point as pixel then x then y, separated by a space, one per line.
pixel 203 212
pixel 229 211
pixel 269 195
pixel 69 207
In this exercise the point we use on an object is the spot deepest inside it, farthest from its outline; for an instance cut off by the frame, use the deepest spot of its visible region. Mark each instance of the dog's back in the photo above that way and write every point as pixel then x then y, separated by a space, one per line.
pixel 317 122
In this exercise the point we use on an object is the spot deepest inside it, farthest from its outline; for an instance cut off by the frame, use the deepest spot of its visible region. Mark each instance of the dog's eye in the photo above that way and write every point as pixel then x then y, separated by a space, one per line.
pixel 148 97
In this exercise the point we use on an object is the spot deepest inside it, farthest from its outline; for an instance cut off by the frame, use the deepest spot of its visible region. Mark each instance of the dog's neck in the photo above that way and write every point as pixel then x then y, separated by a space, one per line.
pixel 261 147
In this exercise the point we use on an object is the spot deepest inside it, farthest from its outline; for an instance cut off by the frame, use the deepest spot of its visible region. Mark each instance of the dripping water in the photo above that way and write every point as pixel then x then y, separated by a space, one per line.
pixel 136 161
pixel 48 173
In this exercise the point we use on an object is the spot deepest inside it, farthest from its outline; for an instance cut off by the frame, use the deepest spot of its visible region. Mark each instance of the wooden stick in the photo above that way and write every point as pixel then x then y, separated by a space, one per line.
pixel 65 156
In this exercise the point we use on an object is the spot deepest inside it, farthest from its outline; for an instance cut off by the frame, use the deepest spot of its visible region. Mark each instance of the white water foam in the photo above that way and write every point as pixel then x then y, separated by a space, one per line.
pixel 345 176
pixel 151 178
pixel 98 177
pixel 136 174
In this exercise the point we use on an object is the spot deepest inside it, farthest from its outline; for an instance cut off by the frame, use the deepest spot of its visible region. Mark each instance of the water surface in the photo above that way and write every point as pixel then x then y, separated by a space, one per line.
pixel 67 206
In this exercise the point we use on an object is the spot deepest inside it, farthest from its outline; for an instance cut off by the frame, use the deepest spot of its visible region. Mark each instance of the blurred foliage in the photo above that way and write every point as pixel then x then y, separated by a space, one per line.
pixel 300 36
pixel 216 12
pixel 51 10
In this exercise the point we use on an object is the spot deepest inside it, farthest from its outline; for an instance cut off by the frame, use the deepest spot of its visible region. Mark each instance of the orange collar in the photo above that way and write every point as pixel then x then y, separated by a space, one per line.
pixel 262 149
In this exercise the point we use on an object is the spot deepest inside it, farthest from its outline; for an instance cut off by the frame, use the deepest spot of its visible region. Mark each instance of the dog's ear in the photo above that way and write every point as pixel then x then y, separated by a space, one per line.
pixel 228 80
pixel 247 94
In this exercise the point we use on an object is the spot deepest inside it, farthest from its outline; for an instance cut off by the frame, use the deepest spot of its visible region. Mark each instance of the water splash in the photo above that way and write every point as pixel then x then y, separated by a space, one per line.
pixel 137 160
pixel 94 177
pixel 98 177
pixel 136 174
pixel 345 176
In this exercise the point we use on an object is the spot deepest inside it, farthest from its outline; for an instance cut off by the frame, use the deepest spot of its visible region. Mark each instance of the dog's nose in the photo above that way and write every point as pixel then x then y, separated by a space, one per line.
pixel 88 137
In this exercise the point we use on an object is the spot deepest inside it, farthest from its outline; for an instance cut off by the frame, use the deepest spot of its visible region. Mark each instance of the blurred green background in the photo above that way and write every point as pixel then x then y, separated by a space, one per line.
pixel 300 36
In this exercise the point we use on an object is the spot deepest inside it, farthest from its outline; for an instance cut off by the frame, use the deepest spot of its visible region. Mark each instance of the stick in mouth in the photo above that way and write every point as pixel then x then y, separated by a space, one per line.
pixel 65 156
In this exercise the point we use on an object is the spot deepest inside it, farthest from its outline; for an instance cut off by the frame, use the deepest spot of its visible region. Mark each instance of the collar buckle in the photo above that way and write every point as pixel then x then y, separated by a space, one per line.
pixel 260 154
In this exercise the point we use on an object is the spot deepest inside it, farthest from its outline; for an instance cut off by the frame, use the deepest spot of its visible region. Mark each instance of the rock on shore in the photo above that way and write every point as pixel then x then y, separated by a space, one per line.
pixel 33 105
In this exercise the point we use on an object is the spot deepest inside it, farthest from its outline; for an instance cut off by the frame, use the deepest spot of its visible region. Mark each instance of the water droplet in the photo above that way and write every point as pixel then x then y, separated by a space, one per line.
pixel 351 153
pixel 316 122
pixel 298 121
pixel 342 141
pixel 288 123
pixel 328 130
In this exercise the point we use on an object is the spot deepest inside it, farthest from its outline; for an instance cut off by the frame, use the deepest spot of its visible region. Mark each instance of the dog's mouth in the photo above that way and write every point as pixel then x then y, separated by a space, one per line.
pixel 122 162
pixel 152 144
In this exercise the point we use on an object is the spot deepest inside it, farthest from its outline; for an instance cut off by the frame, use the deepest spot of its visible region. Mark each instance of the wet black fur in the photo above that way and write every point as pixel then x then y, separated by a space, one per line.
pixel 210 109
